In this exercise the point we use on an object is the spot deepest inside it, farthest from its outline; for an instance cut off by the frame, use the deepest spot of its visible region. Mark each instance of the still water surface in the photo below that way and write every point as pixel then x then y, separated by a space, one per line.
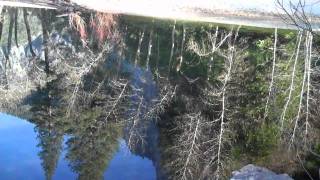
pixel 150 107
pixel 20 159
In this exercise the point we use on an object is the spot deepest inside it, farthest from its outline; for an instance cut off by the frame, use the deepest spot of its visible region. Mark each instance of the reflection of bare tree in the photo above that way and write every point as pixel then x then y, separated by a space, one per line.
pixel 190 144
pixel 172 44
pixel 166 95
pixel 201 147
pixel 209 46
pixel 181 49
pixel 76 73
pixel 304 79
pixel 296 14
pixel 202 109
pixel 230 61
pixel 145 109
pixel 149 48
pixel 217 149
pixel 271 88
pixel 141 35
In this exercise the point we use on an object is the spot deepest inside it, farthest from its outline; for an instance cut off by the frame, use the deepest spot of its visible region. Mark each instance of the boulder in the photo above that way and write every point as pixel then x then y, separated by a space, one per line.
pixel 252 172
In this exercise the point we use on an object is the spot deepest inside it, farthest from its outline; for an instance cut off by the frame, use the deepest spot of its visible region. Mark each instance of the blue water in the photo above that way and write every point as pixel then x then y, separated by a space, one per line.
pixel 126 166
pixel 19 157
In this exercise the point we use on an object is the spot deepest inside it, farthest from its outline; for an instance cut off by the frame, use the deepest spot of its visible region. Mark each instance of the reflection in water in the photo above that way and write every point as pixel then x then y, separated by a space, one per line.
pixel 18 149
pixel 39 153
pixel 124 166
pixel 181 101
pixel 51 146
pixel 91 147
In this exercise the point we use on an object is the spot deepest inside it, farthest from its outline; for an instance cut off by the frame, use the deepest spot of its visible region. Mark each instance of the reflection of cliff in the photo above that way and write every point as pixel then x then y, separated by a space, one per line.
pixel 141 132
pixel 146 145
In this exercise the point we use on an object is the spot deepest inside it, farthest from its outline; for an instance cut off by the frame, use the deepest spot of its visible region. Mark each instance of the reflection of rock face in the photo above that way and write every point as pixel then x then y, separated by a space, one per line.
pixel 142 136
pixel 148 147
pixel 256 173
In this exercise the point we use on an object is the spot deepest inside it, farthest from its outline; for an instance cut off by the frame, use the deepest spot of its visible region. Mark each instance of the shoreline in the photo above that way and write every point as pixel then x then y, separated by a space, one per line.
pixel 171 11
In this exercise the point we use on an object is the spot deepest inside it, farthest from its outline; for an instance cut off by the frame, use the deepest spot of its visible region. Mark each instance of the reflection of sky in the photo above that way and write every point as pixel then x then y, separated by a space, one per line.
pixel 125 166
pixel 19 156
pixel 18 149
pixel 63 171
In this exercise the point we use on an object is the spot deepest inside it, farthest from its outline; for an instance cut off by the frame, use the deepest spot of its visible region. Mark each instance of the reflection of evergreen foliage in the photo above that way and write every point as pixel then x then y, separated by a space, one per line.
pixel 47 103
pixel 92 146
pixel 50 143
pixel 50 125
pixel 92 143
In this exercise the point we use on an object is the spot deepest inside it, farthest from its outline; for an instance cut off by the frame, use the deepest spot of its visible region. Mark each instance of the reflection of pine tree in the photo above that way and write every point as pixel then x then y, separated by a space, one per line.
pixel 51 145
pixel 51 125
pixel 92 146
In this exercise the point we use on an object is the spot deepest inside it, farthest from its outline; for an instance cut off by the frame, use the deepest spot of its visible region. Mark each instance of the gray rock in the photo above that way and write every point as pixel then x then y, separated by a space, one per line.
pixel 252 172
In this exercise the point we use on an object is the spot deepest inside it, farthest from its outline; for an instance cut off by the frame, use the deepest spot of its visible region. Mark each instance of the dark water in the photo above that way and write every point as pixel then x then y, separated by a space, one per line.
pixel 20 156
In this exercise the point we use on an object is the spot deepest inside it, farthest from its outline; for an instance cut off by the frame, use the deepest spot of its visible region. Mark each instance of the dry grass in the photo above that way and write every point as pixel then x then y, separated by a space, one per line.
pixel 102 25
pixel 77 22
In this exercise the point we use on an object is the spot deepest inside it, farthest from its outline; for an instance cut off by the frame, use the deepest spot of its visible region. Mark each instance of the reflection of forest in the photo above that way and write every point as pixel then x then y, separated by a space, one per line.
pixel 192 98
pixel 90 146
